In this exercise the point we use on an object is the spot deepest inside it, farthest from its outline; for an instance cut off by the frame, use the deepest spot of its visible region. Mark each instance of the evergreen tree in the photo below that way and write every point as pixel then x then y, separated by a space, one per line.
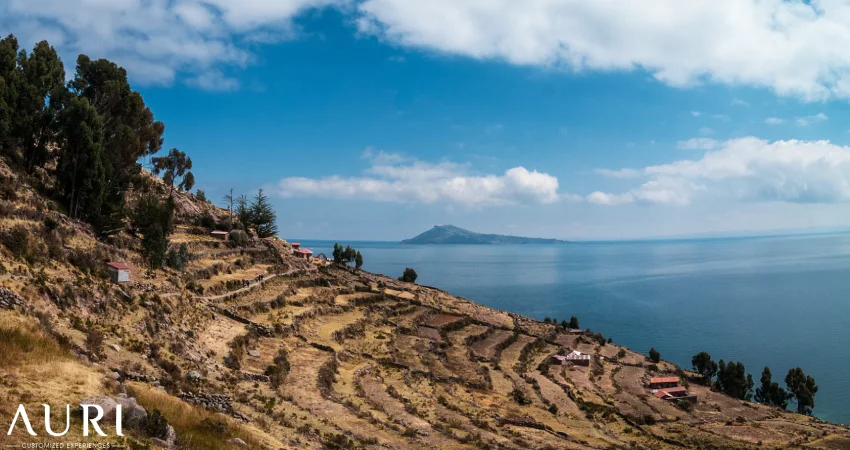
pixel 803 389
pixel 154 220
pixel 80 173
pixel 770 393
pixel 654 356
pixel 409 275
pixel 228 201
pixel 703 365
pixel 8 97
pixel 565 324
pixel 130 132
pixel 262 216
pixel 358 261
pixel 734 381
pixel 574 322
pixel 243 211
pixel 175 165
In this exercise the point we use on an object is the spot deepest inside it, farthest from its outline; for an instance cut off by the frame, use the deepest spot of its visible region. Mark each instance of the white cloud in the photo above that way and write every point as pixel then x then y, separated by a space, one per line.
pixel 790 46
pixel 424 182
pixel 774 121
pixel 696 113
pixel 697 144
pixel 622 173
pixel 739 102
pixel 157 41
pixel 794 47
pixel 747 169
pixel 808 120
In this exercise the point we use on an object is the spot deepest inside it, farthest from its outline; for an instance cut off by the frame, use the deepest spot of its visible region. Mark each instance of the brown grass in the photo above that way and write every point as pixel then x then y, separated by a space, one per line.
pixel 196 428
pixel 25 344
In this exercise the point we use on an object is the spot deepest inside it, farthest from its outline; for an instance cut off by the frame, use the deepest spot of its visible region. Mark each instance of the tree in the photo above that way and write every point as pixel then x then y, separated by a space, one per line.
pixel 564 324
pixel 654 356
pixel 262 216
pixel 175 165
pixel 803 389
pixel 201 195
pixel 408 276
pixel 703 365
pixel 734 381
pixel 154 220
pixel 358 261
pixel 80 173
pixel 39 91
pixel 228 200
pixel 574 323
pixel 129 129
pixel 243 212
pixel 770 393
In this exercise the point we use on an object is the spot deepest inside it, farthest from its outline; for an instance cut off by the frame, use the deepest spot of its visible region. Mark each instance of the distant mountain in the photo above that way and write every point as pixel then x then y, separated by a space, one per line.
pixel 450 234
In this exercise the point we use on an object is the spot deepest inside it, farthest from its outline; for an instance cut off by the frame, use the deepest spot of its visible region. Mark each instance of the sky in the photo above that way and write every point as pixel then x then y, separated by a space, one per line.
pixel 574 119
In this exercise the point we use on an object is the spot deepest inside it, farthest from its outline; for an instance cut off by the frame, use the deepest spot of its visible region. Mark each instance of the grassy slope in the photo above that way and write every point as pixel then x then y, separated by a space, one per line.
pixel 365 370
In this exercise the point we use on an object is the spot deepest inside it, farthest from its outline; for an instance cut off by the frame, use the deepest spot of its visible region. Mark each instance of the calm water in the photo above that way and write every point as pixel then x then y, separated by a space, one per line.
pixel 778 301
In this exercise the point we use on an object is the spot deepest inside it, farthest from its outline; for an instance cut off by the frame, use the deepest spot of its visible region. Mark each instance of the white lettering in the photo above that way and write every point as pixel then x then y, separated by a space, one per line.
pixel 47 421
pixel 23 413
pixel 118 420
pixel 94 421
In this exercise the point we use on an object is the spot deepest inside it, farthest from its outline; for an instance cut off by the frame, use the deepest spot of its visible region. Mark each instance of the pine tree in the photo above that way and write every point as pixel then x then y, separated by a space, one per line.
pixel 80 173
pixel 358 261
pixel 803 389
pixel 263 216
pixel 154 219
pixel 574 323
pixel 243 211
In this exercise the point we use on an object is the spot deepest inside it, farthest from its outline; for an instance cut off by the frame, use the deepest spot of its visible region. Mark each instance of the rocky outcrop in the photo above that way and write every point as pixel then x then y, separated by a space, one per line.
pixel 10 300
pixel 216 402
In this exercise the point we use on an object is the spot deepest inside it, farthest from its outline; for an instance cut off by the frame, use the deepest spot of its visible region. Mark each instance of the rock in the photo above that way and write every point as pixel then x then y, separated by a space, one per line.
pixel 193 376
pixel 114 347
pixel 170 435
pixel 236 442
pixel 254 353
pixel 10 300
pixel 135 417
pixel 106 403
pixel 113 376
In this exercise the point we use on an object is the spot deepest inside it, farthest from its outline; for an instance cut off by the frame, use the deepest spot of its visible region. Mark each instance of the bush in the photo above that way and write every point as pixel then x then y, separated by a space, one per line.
pixel 519 397
pixel 408 276
pixel 200 195
pixel 654 356
pixel 94 341
pixel 239 237
pixel 157 426
pixel 177 260
pixel 207 222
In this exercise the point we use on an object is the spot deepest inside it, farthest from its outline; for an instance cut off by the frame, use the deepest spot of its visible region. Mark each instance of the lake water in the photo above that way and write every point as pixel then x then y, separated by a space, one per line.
pixel 776 301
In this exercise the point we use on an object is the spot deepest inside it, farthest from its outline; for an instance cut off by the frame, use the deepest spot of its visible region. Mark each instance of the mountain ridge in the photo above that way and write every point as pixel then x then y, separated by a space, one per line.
pixel 451 235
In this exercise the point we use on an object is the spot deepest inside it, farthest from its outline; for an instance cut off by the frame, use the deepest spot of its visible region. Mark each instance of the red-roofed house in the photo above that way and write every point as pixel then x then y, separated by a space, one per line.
pixel 296 245
pixel 675 393
pixel 663 382
pixel 303 253
pixel 119 272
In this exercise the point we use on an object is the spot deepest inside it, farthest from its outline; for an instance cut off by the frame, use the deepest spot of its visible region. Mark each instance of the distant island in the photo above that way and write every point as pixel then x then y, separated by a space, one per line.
pixel 450 234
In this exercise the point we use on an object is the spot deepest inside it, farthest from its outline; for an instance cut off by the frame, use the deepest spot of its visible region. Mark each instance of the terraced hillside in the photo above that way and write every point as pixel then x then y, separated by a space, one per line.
pixel 318 356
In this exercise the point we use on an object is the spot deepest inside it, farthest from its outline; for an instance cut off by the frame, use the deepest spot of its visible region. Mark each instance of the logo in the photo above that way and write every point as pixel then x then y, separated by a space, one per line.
pixel 89 423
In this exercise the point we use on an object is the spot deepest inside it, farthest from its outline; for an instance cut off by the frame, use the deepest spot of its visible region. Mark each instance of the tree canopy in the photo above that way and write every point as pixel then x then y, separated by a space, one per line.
pixel 703 365
pixel 803 389
pixel 409 275
pixel 770 393
pixel 173 166
pixel 262 216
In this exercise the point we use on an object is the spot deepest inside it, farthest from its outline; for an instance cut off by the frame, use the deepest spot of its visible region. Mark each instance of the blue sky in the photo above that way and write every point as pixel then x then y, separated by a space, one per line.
pixel 377 119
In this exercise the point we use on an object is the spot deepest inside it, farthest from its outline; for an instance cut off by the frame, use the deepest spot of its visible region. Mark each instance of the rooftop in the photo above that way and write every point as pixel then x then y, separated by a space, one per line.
pixel 118 265
pixel 664 380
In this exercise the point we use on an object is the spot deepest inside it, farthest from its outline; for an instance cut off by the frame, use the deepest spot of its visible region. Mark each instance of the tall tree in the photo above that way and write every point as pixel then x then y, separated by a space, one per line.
pixel 39 89
pixel 130 131
pixel 243 211
pixel 358 261
pixel 654 355
pixel 80 173
pixel 173 166
pixel 734 381
pixel 8 96
pixel 574 322
pixel 703 365
pixel 803 388
pixel 228 200
pixel 154 219
pixel 770 393
pixel 263 216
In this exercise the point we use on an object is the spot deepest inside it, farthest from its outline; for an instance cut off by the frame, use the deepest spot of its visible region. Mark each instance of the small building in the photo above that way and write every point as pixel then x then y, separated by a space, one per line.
pixel 575 331
pixel 675 393
pixel 303 253
pixel 295 245
pixel 576 357
pixel 119 272
pixel 220 235
pixel 663 382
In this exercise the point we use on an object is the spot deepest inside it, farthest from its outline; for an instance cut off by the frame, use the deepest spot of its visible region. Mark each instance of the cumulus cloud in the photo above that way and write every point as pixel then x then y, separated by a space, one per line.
pixel 808 120
pixel 397 179
pixel 747 169
pixel 794 47
pixel 701 143
pixel 774 121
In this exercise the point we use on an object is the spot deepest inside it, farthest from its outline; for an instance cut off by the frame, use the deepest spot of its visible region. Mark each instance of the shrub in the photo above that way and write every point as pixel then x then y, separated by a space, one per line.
pixel 654 356
pixel 408 276
pixel 94 341
pixel 520 397
pixel 200 195
pixel 239 237
pixel 157 425
pixel 207 222
pixel 177 260
pixel 621 353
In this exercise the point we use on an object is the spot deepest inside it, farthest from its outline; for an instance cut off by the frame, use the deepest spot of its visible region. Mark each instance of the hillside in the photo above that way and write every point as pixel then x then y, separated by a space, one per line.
pixel 450 234
pixel 317 356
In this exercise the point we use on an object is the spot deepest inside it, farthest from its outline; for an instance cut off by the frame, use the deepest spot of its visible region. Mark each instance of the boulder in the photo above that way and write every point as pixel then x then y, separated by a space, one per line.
pixel 105 402
pixel 193 376
pixel 135 417
pixel 114 347
pixel 254 353
pixel 157 442
pixel 239 443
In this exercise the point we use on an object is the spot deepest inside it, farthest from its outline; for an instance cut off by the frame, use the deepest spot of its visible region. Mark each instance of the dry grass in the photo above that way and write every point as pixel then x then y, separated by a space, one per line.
pixel 25 344
pixel 196 427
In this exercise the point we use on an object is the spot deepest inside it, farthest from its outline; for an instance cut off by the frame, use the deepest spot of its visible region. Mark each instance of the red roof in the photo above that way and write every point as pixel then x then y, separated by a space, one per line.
pixel 118 265
pixel 296 244
pixel 664 380
pixel 304 251
pixel 665 392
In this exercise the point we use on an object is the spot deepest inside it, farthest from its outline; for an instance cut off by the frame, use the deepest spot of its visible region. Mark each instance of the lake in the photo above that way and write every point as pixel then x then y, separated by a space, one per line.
pixel 780 302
